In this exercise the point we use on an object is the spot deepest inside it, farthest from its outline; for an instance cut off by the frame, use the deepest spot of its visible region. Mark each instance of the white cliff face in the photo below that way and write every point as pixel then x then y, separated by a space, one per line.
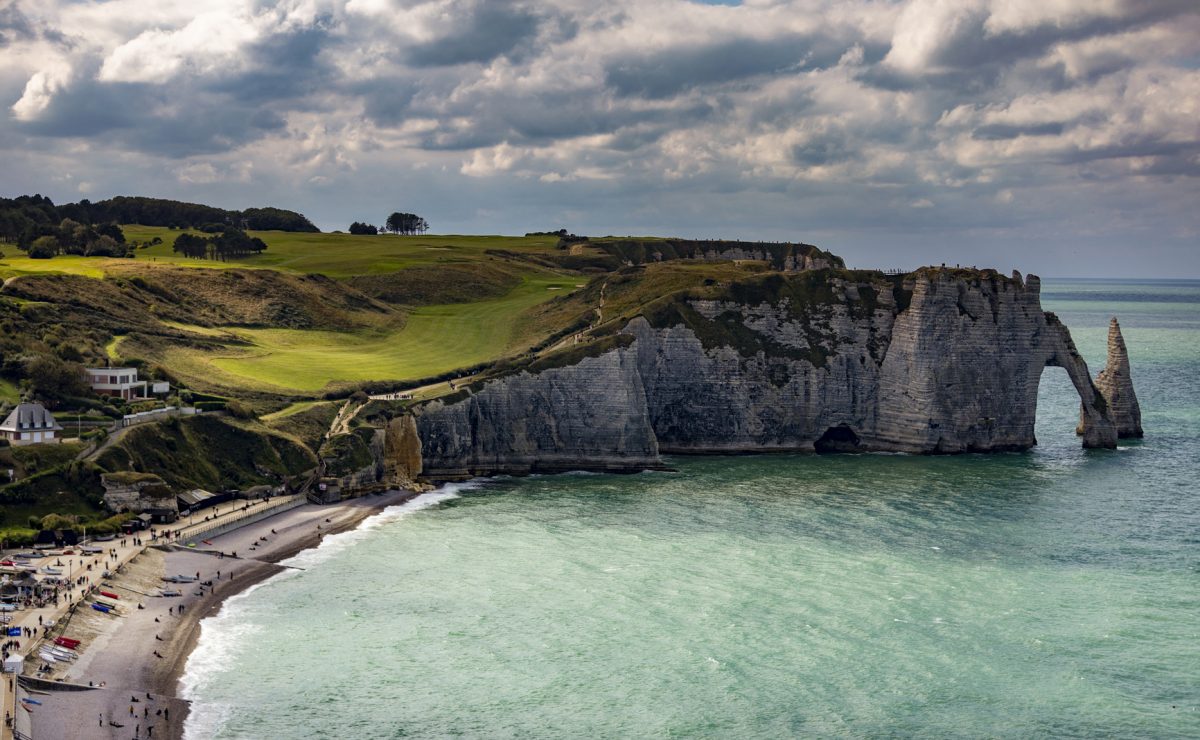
pixel 964 364
pixel 1116 386
pixel 948 362
pixel 587 416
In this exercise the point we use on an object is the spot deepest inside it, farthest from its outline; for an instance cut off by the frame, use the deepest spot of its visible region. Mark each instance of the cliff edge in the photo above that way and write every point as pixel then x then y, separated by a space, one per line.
pixel 937 361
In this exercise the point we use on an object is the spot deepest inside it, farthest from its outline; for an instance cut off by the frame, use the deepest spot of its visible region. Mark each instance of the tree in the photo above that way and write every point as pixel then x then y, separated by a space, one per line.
pixel 362 228
pixel 190 245
pixel 50 377
pixel 44 247
pixel 406 223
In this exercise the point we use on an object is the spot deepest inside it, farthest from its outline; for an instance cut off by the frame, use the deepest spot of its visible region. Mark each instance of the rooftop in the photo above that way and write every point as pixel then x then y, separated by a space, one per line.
pixel 29 416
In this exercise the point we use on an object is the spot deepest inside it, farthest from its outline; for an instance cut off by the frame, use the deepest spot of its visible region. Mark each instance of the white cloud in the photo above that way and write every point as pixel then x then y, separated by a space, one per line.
pixel 211 42
pixel 40 91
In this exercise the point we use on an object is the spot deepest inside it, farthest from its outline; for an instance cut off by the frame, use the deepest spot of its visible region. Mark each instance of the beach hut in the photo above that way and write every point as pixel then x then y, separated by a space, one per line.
pixel 14 664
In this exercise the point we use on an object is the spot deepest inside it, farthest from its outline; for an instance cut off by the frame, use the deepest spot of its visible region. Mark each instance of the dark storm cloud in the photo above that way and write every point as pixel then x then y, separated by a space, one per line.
pixel 120 113
pixel 14 25
pixel 482 31
pixel 1001 131
pixel 284 66
pixel 670 72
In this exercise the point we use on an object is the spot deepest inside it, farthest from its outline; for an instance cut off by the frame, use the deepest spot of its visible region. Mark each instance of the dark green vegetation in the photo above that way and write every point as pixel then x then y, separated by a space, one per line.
pixel 347 453
pixel 209 452
pixel 228 243
pixel 43 230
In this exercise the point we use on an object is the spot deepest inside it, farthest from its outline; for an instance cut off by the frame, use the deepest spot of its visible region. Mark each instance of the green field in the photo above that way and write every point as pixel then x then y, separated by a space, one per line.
pixel 432 340
pixel 341 255
pixel 335 255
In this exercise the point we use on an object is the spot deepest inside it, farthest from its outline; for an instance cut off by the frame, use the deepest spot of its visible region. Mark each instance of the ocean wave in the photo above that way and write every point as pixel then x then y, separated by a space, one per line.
pixel 225 633
pixel 333 544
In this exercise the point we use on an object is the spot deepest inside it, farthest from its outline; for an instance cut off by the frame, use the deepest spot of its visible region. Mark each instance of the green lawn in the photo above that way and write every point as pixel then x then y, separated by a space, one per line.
pixel 9 391
pixel 433 340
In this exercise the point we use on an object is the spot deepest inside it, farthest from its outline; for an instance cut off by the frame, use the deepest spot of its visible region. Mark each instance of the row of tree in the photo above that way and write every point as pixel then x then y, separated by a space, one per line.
pixel 397 223
pixel 23 219
pixel 229 243
pixel 161 212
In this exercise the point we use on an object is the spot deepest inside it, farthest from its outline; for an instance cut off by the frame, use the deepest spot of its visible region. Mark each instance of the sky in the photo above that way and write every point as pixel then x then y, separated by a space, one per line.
pixel 1060 137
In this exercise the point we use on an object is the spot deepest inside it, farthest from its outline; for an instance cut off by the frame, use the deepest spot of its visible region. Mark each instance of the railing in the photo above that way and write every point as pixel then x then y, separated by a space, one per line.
pixel 249 518
pixel 144 417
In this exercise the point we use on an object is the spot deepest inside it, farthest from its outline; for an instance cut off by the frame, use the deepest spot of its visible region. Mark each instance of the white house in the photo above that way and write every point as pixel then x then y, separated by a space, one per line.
pixel 116 381
pixel 30 423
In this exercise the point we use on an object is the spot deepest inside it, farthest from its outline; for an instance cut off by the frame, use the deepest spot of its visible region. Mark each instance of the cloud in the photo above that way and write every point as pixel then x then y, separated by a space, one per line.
pixel 473 32
pixel 792 114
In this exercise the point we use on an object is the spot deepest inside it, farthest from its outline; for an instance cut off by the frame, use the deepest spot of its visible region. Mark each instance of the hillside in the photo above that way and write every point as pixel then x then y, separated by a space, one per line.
pixel 320 315
pixel 288 334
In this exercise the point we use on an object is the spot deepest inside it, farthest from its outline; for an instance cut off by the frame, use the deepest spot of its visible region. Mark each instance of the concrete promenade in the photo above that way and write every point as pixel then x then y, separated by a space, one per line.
pixel 90 568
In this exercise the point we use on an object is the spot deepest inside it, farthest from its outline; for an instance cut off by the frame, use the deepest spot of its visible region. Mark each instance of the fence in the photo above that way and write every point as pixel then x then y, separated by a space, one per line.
pixel 145 417
pixel 228 526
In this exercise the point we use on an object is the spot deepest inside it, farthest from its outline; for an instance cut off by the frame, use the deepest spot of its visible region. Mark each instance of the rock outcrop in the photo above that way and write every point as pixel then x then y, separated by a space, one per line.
pixel 938 361
pixel 1115 384
pixel 591 415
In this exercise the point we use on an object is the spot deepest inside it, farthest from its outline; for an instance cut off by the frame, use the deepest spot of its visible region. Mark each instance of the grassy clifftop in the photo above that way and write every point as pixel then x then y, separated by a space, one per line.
pixel 209 452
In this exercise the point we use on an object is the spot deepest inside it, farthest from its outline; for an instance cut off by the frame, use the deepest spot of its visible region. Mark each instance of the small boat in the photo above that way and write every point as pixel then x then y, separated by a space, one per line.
pixel 179 579
pixel 170 592
pixel 67 642
pixel 102 608
pixel 50 571
pixel 8 563
pixel 109 594
pixel 91 550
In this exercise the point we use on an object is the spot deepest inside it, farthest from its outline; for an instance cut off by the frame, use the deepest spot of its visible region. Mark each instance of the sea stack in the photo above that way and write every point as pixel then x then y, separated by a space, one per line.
pixel 1115 384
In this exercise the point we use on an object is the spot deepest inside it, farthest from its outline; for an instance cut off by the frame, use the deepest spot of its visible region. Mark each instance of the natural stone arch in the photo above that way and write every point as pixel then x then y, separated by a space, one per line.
pixel 1095 421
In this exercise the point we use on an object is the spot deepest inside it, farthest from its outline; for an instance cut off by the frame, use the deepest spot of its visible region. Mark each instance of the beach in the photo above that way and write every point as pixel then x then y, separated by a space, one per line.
pixel 129 666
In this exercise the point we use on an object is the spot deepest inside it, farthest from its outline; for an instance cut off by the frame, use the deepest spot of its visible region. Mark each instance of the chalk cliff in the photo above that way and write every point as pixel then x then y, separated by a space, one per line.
pixel 937 361
pixel 1116 385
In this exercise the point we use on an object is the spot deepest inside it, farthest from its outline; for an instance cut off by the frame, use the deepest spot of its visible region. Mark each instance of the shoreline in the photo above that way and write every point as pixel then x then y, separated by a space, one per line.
pixel 344 517
pixel 145 651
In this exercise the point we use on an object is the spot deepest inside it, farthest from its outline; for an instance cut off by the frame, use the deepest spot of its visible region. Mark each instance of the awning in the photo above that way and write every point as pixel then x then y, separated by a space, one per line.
pixel 190 499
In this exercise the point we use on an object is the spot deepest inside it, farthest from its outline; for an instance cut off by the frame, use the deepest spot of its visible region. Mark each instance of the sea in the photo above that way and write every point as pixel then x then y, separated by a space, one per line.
pixel 1050 593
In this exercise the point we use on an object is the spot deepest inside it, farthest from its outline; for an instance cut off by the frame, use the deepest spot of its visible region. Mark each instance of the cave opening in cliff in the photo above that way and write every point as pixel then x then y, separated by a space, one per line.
pixel 840 438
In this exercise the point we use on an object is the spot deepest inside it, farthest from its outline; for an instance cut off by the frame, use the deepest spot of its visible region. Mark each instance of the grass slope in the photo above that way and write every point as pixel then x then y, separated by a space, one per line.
pixel 433 340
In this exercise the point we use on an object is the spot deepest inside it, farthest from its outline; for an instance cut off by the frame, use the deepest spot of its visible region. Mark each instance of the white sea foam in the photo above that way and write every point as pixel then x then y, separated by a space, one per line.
pixel 333 544
pixel 227 632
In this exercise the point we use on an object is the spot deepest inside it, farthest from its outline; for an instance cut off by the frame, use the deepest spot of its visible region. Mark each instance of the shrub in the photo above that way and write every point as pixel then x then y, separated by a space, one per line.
pixel 239 410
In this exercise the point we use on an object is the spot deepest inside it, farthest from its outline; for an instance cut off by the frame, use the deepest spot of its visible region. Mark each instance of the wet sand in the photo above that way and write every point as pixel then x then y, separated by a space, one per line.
pixel 122 655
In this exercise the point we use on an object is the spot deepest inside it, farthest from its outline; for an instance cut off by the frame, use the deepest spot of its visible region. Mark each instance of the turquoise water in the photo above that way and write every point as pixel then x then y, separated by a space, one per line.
pixel 1049 593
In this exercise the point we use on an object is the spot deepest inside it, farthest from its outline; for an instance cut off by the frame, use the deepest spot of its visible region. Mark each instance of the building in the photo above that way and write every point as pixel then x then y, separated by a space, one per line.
pixel 30 423
pixel 116 381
